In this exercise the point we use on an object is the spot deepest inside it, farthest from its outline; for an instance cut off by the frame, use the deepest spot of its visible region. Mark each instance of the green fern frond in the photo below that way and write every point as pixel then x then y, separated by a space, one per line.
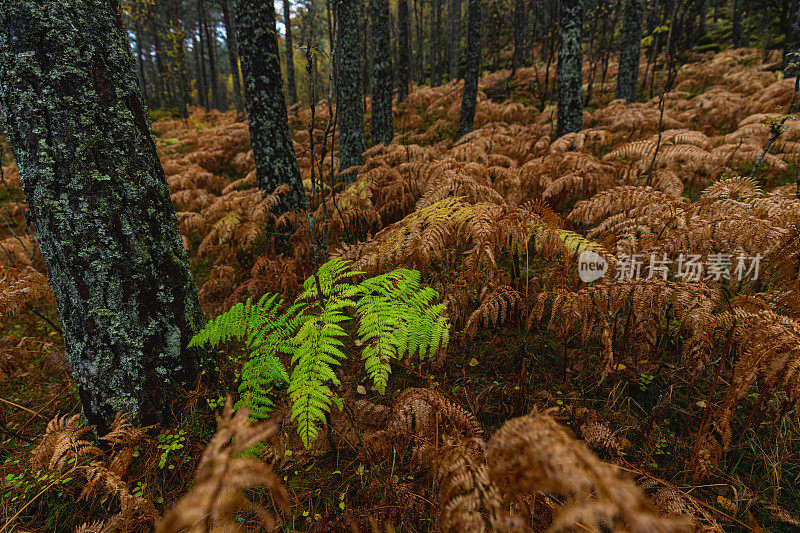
pixel 397 317
pixel 316 349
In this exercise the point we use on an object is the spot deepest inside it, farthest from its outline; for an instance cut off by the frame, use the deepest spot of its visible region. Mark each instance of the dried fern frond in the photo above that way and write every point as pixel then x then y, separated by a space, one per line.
pixel 535 453
pixel 62 444
pixel 216 497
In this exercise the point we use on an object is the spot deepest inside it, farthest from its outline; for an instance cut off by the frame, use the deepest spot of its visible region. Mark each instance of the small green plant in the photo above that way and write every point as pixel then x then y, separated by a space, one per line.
pixel 168 442
pixel 396 318
pixel 645 380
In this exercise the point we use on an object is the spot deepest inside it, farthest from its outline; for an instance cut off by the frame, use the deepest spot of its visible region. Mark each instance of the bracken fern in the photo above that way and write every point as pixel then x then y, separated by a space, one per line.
pixel 397 318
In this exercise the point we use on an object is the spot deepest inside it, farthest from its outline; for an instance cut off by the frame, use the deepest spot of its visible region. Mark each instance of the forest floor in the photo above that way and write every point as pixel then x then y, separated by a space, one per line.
pixel 681 370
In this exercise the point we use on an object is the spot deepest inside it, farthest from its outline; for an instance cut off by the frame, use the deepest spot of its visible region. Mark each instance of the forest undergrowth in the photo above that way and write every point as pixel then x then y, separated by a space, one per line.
pixel 660 401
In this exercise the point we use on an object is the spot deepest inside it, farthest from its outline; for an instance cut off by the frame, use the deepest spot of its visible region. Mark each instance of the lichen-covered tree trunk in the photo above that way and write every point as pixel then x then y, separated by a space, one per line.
pixel 290 83
pixel 100 205
pixel 273 148
pixel 382 79
pixel 470 95
pixel 520 27
pixel 349 103
pixel 791 50
pixel 628 77
pixel 454 36
pixel 233 55
pixel 570 102
pixel 403 52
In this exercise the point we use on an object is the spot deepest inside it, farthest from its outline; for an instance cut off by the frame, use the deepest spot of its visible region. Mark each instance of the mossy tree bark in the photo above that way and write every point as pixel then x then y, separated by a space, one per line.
pixel 470 95
pixel 382 80
pixel 291 86
pixel 100 205
pixel 628 77
pixel 570 101
pixel 349 103
pixel 403 52
pixel 273 148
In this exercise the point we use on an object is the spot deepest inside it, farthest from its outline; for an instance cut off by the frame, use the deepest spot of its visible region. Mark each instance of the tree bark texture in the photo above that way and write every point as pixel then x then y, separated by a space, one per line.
pixel 382 81
pixel 273 148
pixel 470 94
pixel 350 107
pixel 570 103
pixel 100 205
pixel 628 76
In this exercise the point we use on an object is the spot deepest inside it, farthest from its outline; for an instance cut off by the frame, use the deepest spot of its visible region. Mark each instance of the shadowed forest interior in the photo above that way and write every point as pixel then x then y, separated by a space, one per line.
pixel 399 265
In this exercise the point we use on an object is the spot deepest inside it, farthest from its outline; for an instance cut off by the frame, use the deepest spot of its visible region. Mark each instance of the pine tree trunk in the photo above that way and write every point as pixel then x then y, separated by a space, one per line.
pixel 140 62
pixel 570 109
pixel 628 76
pixel 791 50
pixel 403 52
pixel 200 69
pixel 273 148
pixel 435 43
pixel 454 36
pixel 350 106
pixel 164 98
pixel 520 25
pixel 183 82
pixel 382 120
pixel 287 22
pixel 470 94
pixel 99 203
pixel 233 55
pixel 213 74
pixel 736 32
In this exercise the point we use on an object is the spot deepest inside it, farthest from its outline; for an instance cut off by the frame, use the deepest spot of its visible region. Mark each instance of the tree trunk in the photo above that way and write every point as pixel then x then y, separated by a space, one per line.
pixel 791 50
pixel 570 109
pixel 436 43
pixel 200 69
pixel 140 62
pixel 163 82
pixel 403 52
pixel 454 36
pixel 233 56
pixel 100 206
pixel 470 94
pixel 350 107
pixel 287 22
pixel 628 76
pixel 736 32
pixel 183 82
pixel 520 25
pixel 382 120
pixel 273 148
pixel 211 37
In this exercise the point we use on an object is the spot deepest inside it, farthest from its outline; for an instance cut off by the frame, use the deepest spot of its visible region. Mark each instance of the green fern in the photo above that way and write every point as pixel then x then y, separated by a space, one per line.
pixel 397 318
